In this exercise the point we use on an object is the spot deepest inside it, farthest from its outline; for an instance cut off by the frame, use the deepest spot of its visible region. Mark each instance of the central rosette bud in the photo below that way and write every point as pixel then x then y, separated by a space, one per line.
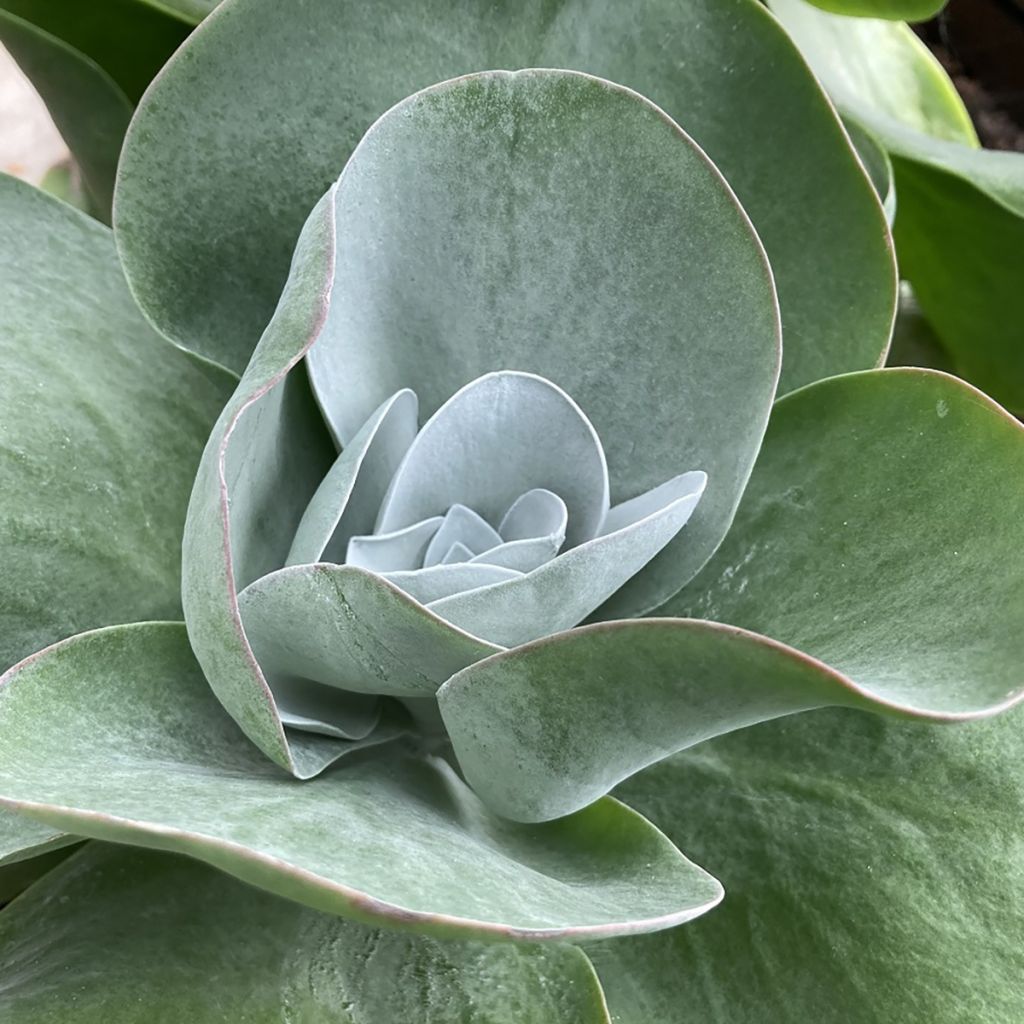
pixel 496 514
pixel 494 517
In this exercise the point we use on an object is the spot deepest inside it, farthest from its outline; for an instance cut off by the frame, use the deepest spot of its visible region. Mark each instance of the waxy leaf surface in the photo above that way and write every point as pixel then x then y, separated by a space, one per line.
pixel 208 949
pixel 102 423
pixel 210 206
pixel 825 555
pixel 874 872
pixel 390 836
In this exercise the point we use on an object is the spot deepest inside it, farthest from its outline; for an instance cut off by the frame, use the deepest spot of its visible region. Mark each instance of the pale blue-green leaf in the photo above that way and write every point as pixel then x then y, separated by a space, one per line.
pixel 391 836
pixel 102 424
pixel 502 434
pixel 267 455
pixel 463 527
pixel 347 501
pixel 564 591
pixel 210 205
pixel 390 552
pixel 825 555
pixel 347 628
pixel 525 184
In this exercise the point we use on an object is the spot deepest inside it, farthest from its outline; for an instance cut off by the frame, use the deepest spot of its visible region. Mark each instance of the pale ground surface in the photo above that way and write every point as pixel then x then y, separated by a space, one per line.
pixel 29 143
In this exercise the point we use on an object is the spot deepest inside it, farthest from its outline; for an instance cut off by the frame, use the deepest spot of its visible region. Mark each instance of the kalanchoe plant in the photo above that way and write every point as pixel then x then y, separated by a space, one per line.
pixel 504 511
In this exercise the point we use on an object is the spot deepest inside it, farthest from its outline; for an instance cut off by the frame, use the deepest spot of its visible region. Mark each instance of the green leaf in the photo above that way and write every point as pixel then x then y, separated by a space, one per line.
pixel 589 232
pixel 115 735
pixel 875 872
pixel 88 108
pixel 23 838
pixel 207 217
pixel 549 727
pixel 878 165
pixel 961 209
pixel 827 554
pixel 129 39
pixel 881 533
pixel 894 10
pixel 207 949
pixel 102 423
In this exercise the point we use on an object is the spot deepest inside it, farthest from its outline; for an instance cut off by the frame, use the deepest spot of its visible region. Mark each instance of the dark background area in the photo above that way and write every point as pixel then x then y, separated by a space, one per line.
pixel 980 43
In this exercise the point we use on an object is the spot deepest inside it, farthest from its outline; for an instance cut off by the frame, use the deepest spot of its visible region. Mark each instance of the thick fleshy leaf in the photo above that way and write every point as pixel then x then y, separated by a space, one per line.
pixel 881 532
pixel 430 262
pixel 498 437
pixel 22 838
pixel 87 106
pixel 392 552
pixel 875 872
pixel 102 423
pixel 438 583
pixel 549 727
pixel 263 463
pixel 381 642
pixel 208 949
pixel 825 555
pixel 395 837
pixel 724 70
pixel 561 593
pixel 246 506
pixel 961 209
pixel 347 501
pixel 894 10
pixel 878 165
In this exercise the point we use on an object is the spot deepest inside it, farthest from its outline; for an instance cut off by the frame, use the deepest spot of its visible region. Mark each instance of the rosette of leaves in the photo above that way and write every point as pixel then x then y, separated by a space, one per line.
pixel 589 316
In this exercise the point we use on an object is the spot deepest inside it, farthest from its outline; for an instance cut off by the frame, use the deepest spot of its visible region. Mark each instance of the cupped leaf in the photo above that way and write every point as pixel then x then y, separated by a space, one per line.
pixel 16 877
pixel 561 593
pixel 207 218
pixel 267 455
pixel 87 106
pixel 78 939
pixel 880 533
pixel 502 434
pixel 102 423
pixel 350 496
pixel 875 873
pixel 347 628
pixel 395 837
pixel 961 208
pixel 571 224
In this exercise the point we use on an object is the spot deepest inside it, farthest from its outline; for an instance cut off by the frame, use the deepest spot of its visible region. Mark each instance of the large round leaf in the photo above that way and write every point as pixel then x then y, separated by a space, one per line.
pixel 22 838
pixel 102 423
pixel 960 225
pixel 579 232
pixel 875 872
pixel 209 206
pixel 880 533
pixel 207 949
pixel 115 735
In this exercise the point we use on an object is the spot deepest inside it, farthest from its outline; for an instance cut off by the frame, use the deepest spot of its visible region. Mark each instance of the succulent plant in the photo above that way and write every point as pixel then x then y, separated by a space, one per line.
pixel 557 455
